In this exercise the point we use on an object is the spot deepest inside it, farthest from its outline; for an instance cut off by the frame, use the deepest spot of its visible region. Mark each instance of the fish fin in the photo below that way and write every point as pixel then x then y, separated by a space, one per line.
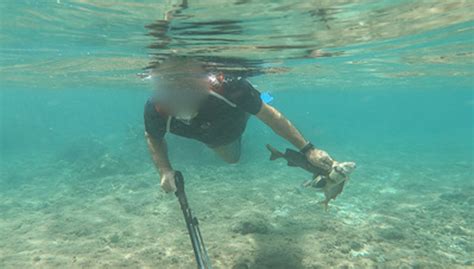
pixel 340 191
pixel 275 154
pixel 325 204
pixel 307 183
pixel 321 183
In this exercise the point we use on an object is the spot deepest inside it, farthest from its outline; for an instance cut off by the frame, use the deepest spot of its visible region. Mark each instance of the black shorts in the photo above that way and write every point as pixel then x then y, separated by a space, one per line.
pixel 230 136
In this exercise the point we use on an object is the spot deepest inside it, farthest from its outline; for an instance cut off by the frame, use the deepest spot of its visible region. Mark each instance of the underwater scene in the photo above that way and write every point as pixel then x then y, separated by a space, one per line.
pixel 329 134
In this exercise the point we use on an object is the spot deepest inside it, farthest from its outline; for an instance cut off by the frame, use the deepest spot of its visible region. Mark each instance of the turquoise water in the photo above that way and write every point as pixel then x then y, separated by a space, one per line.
pixel 387 84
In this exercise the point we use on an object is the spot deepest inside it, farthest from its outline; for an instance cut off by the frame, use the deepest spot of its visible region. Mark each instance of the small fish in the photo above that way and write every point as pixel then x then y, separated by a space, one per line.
pixel 330 189
pixel 334 182
pixel 331 192
pixel 330 183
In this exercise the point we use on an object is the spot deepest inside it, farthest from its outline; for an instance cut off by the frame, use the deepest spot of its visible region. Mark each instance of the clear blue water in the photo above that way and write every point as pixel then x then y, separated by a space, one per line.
pixel 387 84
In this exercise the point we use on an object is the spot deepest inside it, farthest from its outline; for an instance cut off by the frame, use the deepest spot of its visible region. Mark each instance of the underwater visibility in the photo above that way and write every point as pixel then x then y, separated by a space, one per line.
pixel 237 134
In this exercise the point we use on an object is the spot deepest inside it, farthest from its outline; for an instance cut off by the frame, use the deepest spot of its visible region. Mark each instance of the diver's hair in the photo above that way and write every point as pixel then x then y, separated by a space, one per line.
pixel 181 73
pixel 178 66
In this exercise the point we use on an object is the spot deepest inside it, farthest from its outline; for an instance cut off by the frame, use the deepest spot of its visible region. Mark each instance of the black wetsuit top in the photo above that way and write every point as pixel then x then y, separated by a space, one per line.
pixel 217 123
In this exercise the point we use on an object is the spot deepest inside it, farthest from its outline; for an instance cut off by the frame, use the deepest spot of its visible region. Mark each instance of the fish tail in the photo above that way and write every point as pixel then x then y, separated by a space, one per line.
pixel 275 154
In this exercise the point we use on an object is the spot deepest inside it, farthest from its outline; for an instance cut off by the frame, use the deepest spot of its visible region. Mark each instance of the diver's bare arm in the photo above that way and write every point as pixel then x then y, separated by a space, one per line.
pixel 281 125
pixel 159 153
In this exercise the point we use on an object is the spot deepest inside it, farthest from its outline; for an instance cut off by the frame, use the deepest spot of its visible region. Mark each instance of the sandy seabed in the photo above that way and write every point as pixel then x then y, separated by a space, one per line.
pixel 253 215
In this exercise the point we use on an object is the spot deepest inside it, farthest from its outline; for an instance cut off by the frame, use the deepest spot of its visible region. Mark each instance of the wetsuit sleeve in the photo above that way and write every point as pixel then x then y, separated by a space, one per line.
pixel 244 95
pixel 155 124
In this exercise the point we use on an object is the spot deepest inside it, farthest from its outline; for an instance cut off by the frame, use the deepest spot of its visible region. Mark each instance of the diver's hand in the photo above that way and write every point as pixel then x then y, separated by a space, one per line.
pixel 320 158
pixel 167 181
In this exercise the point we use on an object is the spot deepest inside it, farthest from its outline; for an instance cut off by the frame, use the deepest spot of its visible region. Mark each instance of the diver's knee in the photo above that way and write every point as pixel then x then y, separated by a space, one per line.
pixel 232 160
pixel 229 153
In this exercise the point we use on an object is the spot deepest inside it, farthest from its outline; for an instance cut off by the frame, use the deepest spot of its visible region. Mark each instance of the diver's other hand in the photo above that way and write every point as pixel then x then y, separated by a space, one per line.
pixel 320 158
pixel 167 181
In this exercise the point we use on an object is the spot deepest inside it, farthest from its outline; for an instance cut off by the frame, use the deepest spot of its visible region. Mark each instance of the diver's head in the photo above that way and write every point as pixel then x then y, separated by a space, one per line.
pixel 181 85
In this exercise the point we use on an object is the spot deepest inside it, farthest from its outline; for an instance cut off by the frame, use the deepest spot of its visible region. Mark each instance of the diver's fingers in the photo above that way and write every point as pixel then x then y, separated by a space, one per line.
pixel 328 162
pixel 327 159
pixel 320 159
pixel 324 157
pixel 323 165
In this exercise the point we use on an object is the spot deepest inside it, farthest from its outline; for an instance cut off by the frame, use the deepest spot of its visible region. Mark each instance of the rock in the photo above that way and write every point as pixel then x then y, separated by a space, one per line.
pixel 356 246
pixel 249 223
pixel 455 197
pixel 345 249
pixel 282 212
pixel 114 239
pixel 316 266
pixel 240 265
pixel 392 234
pixel 425 264
pixel 468 262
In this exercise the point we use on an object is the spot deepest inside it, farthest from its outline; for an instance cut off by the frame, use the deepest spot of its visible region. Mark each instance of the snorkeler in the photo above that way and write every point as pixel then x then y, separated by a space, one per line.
pixel 213 109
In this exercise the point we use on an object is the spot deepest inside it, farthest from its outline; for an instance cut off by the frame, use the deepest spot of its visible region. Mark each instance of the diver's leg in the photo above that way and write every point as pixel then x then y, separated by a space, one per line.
pixel 230 152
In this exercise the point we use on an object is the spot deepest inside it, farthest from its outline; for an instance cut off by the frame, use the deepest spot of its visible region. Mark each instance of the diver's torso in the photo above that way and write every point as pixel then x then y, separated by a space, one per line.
pixel 216 124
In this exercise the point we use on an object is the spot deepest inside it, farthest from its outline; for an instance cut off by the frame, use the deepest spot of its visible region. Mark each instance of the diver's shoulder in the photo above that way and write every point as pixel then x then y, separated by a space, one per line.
pixel 234 79
pixel 149 106
pixel 233 83
pixel 150 109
